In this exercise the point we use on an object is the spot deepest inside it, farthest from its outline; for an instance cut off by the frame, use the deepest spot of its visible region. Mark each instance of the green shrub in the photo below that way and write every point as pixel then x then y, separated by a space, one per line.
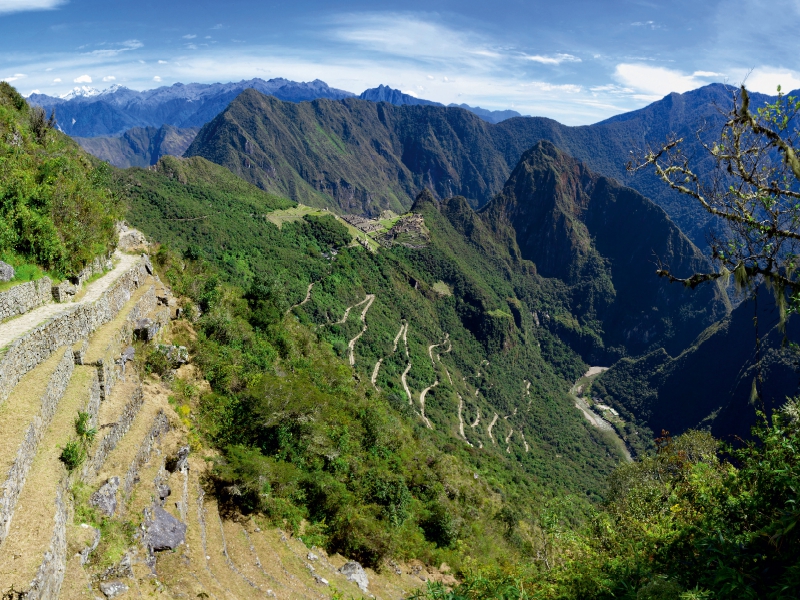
pixel 73 454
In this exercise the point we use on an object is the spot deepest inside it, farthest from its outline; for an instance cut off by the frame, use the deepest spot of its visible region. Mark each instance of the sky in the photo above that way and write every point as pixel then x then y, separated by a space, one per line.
pixel 574 61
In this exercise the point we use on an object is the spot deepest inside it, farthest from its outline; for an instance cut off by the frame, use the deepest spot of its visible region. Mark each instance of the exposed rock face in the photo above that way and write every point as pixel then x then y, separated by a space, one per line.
pixel 131 240
pixel 105 499
pixel 6 271
pixel 146 329
pixel 355 573
pixel 112 589
pixel 181 461
pixel 163 531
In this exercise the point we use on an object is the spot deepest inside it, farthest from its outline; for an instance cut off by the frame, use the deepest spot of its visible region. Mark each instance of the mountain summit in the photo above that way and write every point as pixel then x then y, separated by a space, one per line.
pixel 603 240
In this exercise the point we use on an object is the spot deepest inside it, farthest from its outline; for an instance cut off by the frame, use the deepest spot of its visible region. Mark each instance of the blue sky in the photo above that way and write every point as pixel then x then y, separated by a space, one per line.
pixel 574 61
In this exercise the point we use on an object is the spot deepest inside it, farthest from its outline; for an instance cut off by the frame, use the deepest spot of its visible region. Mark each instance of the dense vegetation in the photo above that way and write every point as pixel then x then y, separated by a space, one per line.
pixel 300 440
pixel 696 520
pixel 56 210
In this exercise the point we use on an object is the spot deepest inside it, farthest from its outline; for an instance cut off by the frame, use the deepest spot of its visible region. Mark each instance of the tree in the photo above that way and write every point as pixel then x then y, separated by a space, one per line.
pixel 754 190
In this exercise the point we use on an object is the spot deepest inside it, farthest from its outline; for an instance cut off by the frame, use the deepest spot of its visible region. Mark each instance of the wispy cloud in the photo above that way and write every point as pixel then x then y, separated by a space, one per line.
pixel 544 86
pixel 556 59
pixel 113 49
pixel 13 6
pixel 157 79
pixel 109 78
pixel 189 36
pixel 412 38
pixel 14 77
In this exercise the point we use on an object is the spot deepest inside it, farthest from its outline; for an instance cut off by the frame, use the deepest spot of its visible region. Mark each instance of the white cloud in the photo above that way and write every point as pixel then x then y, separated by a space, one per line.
pixel 217 26
pixel 189 36
pixel 162 62
pixel 767 79
pixel 14 77
pixel 116 49
pixel 556 59
pixel 57 80
pixel 108 78
pixel 655 82
pixel 83 79
pixel 156 78
pixel 707 74
pixel 410 93
pixel 12 6
pixel 568 88
pixel 431 77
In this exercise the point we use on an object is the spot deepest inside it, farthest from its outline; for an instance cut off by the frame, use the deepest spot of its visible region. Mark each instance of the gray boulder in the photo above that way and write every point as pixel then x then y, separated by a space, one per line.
pixel 6 271
pixel 146 329
pixel 163 492
pixel 162 530
pixel 354 572
pixel 180 462
pixel 105 499
pixel 112 589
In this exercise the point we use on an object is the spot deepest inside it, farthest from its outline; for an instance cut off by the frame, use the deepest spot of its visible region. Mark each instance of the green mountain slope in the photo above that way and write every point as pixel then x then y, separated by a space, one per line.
pixel 354 155
pixel 710 384
pixel 56 210
pixel 603 240
pixel 361 157
pixel 139 146
pixel 488 426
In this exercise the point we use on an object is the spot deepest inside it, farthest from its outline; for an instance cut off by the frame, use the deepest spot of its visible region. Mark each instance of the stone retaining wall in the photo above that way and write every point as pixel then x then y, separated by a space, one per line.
pixel 108 370
pixel 160 427
pixel 50 575
pixel 12 486
pixel 75 323
pixel 96 267
pixel 109 442
pixel 23 297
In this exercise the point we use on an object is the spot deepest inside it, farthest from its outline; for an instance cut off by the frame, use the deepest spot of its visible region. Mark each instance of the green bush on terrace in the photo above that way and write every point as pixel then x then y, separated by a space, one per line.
pixel 56 210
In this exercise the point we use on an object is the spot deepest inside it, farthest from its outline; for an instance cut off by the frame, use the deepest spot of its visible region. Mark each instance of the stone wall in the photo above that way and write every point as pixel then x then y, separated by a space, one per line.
pixel 75 323
pixel 110 441
pixel 108 370
pixel 160 427
pixel 12 486
pixel 96 267
pixel 23 297
pixel 47 583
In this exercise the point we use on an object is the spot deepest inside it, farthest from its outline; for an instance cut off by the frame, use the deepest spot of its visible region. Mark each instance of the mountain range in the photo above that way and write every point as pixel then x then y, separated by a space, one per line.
pixel 88 112
pixel 361 157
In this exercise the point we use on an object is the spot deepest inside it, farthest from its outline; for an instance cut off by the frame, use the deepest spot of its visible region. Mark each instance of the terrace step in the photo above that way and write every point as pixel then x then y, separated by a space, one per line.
pixel 108 342
pixel 24 419
pixel 33 555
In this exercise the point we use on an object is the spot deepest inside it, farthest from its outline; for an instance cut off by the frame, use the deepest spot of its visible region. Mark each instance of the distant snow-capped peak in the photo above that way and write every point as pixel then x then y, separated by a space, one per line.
pixel 110 90
pixel 83 90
